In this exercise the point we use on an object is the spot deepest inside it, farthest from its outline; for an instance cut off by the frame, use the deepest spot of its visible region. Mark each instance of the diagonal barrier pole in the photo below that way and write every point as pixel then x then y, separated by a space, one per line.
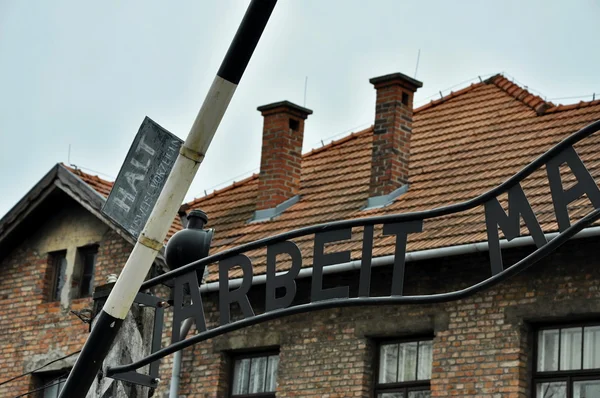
pixel 151 239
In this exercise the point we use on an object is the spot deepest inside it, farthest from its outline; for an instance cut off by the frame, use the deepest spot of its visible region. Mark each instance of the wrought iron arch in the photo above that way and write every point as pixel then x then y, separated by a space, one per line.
pixel 562 152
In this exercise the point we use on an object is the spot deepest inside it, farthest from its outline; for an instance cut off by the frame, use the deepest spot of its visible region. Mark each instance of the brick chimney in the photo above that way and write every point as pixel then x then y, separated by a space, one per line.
pixel 280 163
pixel 392 131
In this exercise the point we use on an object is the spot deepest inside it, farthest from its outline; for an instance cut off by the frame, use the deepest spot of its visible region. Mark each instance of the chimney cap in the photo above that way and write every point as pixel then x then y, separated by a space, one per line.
pixel 408 82
pixel 297 109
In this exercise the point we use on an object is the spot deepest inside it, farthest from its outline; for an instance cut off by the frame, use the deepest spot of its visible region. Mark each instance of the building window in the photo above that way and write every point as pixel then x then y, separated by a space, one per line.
pixel 83 275
pixel 255 375
pixel 404 369
pixel 50 384
pixel 58 269
pixel 568 362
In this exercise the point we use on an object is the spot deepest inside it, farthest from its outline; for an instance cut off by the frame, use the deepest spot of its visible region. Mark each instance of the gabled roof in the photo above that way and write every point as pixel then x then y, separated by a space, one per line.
pixel 87 190
pixel 103 187
pixel 462 145
pixel 44 196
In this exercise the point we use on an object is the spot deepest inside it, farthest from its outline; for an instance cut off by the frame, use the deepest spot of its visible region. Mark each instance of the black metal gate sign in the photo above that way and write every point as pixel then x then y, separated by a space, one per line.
pixel 400 226
pixel 142 177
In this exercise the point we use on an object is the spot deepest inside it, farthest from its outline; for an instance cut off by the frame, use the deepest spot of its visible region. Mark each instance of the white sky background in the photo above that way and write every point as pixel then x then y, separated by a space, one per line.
pixel 86 74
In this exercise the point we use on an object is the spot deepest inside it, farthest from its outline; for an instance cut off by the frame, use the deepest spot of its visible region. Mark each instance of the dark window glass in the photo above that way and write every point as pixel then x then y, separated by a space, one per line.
pixel 567 362
pixel 58 265
pixel 89 262
pixel 50 385
pixel 404 369
pixel 255 375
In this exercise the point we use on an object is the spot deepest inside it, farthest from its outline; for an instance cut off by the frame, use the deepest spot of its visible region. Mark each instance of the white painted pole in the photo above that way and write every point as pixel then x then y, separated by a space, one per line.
pixel 155 231
pixel 158 224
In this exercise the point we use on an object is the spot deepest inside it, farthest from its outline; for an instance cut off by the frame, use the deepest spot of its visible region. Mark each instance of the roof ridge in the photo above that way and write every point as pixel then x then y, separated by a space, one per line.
pixel 453 94
pixel 580 104
pixel 535 102
pixel 79 172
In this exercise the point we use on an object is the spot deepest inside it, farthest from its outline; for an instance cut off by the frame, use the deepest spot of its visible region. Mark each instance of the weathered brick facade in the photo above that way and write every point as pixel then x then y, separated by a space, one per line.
pixel 33 329
pixel 482 345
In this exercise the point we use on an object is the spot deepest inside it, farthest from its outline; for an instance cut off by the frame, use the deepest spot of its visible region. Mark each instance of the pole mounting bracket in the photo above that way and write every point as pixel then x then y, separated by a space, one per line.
pixel 151 379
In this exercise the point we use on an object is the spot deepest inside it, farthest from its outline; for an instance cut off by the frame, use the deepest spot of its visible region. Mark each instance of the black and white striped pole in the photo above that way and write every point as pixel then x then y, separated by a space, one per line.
pixel 153 235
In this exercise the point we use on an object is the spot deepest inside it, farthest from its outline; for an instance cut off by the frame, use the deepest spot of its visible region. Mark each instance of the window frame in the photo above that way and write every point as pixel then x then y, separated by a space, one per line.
pixel 235 356
pixel 78 283
pixel 404 387
pixel 54 257
pixel 50 379
pixel 567 376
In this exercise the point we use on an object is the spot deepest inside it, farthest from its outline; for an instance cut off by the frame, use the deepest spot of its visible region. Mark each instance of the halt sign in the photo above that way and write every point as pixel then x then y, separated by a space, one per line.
pixel 142 177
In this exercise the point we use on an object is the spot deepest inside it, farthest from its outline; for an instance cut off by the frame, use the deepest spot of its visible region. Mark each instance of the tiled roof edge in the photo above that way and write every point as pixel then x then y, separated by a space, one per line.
pixel 535 102
pixel 227 188
pixel 338 142
pixel 80 173
pixel 580 104
pixel 453 94
pixel 13 214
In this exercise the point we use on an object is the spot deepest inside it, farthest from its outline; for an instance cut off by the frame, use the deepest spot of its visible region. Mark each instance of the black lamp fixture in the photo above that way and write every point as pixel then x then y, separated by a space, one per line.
pixel 190 244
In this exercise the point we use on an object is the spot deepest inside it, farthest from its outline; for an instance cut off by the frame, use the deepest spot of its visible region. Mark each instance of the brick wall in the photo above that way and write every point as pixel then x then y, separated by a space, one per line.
pixel 482 344
pixel 33 329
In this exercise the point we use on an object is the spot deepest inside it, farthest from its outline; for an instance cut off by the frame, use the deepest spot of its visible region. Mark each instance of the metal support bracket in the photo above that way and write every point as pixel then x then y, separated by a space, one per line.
pixel 150 243
pixel 151 379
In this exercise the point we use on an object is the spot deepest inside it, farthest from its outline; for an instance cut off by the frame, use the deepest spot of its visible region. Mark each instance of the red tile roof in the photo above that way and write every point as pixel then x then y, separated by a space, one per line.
pixel 462 145
pixel 103 187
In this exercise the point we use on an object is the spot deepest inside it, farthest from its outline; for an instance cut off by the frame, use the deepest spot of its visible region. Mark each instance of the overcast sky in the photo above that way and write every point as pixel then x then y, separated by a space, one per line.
pixel 85 74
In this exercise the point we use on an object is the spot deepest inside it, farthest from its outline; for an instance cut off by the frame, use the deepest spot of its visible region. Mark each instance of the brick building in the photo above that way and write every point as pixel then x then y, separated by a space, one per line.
pixel 534 335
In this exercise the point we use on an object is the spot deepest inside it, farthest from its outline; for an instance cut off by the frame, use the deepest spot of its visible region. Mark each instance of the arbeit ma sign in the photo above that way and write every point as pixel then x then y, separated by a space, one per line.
pixel 495 216
pixel 399 226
